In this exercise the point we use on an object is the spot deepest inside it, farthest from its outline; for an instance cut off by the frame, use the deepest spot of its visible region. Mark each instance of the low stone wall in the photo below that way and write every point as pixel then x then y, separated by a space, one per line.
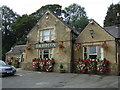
pixel 114 69
pixel 66 66
pixel 26 66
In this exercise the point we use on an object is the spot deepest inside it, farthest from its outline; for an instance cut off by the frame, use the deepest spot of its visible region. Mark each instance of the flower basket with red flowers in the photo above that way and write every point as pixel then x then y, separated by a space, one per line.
pixel 43 64
pixel 60 44
pixel 104 46
pixel 77 47
pixel 92 66
pixel 28 47
pixel 9 62
pixel 53 61
pixel 34 60
pixel 16 63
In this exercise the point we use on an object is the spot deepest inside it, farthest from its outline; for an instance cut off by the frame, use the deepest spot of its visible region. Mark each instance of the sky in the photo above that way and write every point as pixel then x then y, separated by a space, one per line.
pixel 95 9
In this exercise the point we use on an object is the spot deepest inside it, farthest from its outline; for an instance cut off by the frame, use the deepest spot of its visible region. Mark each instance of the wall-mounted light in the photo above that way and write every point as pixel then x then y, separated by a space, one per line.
pixel 91 33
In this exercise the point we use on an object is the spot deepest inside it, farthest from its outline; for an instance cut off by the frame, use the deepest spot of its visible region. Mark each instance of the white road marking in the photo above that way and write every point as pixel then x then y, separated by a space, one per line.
pixel 41 83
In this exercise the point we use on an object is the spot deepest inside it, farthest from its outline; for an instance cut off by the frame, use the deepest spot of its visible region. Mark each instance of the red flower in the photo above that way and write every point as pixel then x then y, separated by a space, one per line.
pixel 52 61
pixel 107 61
pixel 33 60
pixel 86 60
pixel 38 59
pixel 45 60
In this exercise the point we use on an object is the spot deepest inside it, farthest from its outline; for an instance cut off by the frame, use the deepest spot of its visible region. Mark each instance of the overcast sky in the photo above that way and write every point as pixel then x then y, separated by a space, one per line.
pixel 95 9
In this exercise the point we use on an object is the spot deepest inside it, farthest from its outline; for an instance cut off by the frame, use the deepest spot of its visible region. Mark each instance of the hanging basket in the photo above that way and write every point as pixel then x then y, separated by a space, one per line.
pixel 60 44
pixel 104 46
pixel 77 47
pixel 28 47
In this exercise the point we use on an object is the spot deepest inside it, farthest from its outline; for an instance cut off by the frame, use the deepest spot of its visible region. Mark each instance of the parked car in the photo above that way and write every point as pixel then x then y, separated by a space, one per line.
pixel 6 69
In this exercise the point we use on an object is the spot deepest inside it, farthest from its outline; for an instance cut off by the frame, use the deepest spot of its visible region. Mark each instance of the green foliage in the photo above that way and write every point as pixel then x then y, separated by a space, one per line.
pixel 22 27
pixel 111 18
pixel 8 39
pixel 55 8
pixel 61 66
pixel 8 17
pixel 75 16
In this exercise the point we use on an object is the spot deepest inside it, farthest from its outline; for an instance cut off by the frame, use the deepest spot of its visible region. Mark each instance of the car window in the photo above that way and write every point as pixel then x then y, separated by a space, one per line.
pixel 2 63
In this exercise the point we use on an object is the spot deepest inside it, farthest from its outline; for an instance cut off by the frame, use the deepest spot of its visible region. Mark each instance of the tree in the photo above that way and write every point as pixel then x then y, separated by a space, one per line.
pixel 75 16
pixel 8 17
pixel 22 27
pixel 111 17
pixel 55 8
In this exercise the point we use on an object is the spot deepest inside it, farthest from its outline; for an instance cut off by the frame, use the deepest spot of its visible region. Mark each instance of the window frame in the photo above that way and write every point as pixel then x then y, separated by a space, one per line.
pixel 97 52
pixel 41 53
pixel 50 36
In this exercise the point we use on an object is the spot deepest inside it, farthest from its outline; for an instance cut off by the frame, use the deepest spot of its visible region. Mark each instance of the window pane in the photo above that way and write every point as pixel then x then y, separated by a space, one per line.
pixel 46 32
pixel 40 55
pixel 85 55
pixel 46 38
pixel 52 37
pixel 50 53
pixel 46 50
pixel 46 53
pixel 100 53
pixel 41 35
pixel 102 56
pixel 52 32
pixel 92 49
pixel 85 49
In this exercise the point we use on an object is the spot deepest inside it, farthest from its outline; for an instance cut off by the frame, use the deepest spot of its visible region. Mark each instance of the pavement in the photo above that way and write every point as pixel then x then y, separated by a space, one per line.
pixel 35 79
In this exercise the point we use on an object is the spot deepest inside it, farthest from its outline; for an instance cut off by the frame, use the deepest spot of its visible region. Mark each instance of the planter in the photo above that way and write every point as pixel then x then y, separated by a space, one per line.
pixel 60 45
pixel 62 70
pixel 104 46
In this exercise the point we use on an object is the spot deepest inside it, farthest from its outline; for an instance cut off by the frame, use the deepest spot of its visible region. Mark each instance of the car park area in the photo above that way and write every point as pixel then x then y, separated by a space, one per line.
pixel 33 79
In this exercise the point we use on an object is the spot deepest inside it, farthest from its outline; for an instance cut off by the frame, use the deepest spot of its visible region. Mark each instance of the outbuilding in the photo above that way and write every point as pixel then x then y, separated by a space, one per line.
pixel 100 48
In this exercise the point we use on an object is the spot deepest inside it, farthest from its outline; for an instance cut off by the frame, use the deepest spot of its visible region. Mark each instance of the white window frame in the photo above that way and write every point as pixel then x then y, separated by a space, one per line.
pixel 97 52
pixel 41 53
pixel 50 35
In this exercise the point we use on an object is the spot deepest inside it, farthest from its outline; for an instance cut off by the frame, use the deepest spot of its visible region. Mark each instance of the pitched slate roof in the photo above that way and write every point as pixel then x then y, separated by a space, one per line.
pixel 18 49
pixel 113 30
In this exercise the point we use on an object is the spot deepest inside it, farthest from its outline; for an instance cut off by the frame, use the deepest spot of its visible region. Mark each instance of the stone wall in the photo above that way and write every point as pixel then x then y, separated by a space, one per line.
pixel 26 65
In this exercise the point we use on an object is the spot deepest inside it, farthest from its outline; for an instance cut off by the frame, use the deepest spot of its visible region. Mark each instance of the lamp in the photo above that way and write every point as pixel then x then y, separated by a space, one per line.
pixel 91 32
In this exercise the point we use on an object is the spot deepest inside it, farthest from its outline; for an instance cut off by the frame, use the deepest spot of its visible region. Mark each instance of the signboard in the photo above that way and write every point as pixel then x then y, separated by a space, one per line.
pixel 45 45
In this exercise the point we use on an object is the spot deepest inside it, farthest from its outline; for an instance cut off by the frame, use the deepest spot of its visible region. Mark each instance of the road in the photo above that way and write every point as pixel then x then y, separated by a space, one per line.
pixel 33 79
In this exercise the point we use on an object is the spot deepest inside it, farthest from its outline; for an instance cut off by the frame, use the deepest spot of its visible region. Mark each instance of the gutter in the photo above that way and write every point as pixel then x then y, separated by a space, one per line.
pixel 72 66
